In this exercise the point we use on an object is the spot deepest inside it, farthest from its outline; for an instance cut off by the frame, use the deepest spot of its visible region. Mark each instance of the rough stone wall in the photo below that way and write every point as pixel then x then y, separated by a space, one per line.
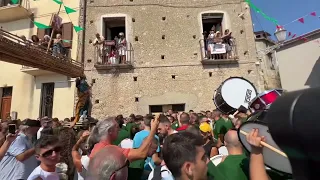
pixel 116 92
pixel 269 77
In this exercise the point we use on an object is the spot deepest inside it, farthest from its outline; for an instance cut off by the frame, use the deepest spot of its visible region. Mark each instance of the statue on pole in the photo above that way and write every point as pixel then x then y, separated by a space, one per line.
pixel 84 93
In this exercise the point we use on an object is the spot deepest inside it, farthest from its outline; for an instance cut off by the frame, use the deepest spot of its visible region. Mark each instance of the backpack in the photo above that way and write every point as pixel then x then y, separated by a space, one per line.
pixel 157 173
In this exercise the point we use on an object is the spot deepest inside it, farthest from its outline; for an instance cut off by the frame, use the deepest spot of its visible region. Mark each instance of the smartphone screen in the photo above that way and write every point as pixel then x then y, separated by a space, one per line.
pixel 12 128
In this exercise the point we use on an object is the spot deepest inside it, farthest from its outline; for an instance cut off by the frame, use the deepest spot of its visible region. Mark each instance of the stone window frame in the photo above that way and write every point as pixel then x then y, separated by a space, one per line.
pixel 128 24
pixel 226 22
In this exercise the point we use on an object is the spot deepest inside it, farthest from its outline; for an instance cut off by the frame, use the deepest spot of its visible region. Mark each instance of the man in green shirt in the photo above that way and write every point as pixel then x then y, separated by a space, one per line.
pixel 234 166
pixel 221 127
pixel 123 134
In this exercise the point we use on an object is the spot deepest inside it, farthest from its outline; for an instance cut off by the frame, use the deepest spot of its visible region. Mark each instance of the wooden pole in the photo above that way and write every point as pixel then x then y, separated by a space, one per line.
pixel 268 146
pixel 49 44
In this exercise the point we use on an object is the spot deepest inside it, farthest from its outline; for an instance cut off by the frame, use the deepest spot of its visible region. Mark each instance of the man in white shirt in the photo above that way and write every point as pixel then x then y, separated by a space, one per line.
pixel 19 161
pixel 45 123
pixel 48 152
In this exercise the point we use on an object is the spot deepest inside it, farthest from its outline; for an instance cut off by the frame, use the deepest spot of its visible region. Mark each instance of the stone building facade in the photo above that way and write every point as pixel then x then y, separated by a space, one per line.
pixel 168 68
pixel 268 67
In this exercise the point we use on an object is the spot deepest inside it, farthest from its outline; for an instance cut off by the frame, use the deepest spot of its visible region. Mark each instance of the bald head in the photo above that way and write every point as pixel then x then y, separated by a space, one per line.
pixel 231 139
pixel 109 163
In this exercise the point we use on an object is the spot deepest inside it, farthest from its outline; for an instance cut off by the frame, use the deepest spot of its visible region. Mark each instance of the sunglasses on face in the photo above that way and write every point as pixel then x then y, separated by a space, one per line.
pixel 126 164
pixel 49 152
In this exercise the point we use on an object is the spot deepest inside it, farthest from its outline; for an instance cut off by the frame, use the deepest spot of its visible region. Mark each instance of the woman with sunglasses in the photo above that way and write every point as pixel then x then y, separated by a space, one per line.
pixel 48 153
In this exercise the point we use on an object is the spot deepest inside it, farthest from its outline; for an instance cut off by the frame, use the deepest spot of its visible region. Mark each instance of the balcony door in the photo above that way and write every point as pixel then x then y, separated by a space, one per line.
pixel 6 102
pixel 46 104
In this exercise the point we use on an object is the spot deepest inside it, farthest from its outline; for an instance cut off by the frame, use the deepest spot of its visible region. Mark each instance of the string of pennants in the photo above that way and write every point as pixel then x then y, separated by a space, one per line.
pixel 67 9
pixel 290 34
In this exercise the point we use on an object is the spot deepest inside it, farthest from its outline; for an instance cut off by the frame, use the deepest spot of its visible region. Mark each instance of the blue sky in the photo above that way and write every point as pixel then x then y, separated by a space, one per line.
pixel 286 11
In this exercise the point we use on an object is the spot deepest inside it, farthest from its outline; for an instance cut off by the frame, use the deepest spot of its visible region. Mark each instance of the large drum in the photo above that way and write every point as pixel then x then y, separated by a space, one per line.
pixel 272 159
pixel 264 100
pixel 233 93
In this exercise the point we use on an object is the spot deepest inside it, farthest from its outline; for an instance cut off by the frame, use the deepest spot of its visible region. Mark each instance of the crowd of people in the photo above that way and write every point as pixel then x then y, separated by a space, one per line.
pixel 172 145
pixel 217 45
pixel 111 51
pixel 56 46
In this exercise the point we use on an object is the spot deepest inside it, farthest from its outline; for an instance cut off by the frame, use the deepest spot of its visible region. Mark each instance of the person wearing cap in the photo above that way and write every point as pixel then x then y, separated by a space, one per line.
pixel 19 161
pixel 209 144
pixel 122 48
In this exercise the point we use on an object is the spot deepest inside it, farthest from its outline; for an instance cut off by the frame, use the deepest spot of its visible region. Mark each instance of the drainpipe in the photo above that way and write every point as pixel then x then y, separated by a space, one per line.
pixel 84 15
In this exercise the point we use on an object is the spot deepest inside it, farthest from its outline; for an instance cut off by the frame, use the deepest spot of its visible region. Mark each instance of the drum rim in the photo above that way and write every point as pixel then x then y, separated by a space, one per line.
pixel 258 122
pixel 217 107
pixel 231 77
pixel 262 94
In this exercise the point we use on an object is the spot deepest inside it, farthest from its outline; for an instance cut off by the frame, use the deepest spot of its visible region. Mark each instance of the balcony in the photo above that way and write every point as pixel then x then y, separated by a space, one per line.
pixel 35 71
pixel 12 12
pixel 221 55
pixel 109 56
pixel 15 50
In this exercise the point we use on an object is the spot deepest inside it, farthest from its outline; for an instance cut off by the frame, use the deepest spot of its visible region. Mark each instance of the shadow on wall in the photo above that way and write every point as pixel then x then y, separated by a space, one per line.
pixel 314 77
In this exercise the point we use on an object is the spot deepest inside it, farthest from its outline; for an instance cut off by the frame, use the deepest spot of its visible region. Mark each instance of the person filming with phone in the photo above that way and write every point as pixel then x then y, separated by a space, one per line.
pixel 19 160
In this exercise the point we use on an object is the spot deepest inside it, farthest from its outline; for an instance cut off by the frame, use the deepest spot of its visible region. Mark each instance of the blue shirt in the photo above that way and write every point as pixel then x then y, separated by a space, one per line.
pixel 137 141
pixel 10 167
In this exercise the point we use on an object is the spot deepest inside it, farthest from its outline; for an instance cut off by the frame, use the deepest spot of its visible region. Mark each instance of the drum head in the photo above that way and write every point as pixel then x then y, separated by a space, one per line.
pixel 271 159
pixel 238 91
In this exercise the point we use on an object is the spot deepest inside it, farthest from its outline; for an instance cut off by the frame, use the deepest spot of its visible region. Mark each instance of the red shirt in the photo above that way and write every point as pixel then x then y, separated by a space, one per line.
pixel 182 128
pixel 99 146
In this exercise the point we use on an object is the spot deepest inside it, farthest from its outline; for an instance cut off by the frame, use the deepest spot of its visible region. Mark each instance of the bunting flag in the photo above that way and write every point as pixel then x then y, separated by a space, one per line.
pixel 313 14
pixel 301 20
pixel 257 10
pixel 58 1
pixel 78 28
pixel 289 34
pixel 294 36
pixel 66 41
pixel 69 10
pixel 40 26
pixel 15 1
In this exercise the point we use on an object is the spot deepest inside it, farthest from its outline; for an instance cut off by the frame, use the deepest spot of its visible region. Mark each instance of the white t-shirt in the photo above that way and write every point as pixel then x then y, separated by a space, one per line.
pixel 85 163
pixel 44 175
pixel 126 143
pixel 39 133
pixel 165 174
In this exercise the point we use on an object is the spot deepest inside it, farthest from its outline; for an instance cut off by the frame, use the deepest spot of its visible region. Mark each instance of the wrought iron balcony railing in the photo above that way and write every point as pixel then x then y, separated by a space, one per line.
pixel 109 55
pixel 14 49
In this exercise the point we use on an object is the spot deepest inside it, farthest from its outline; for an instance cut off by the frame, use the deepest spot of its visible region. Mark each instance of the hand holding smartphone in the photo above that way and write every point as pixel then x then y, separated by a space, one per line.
pixel 12 128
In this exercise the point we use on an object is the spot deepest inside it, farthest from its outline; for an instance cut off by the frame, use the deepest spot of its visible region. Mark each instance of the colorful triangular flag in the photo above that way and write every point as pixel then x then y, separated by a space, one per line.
pixel 41 26
pixel 15 1
pixel 66 41
pixel 301 20
pixel 69 10
pixel 77 28
pixel 58 1
pixel 289 34
pixel 313 14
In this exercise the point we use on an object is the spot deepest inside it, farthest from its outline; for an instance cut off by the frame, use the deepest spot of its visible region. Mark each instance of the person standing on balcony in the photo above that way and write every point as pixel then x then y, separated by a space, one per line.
pixel 98 44
pixel 57 45
pixel 210 42
pixel 228 42
pixel 122 48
